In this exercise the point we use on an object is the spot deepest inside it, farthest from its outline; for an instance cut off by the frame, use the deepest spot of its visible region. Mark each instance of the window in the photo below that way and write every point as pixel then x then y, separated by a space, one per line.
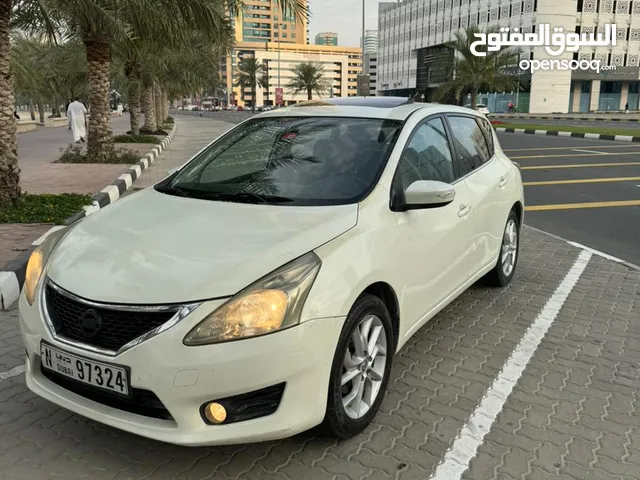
pixel 470 143
pixel 487 129
pixel 294 161
pixel 427 155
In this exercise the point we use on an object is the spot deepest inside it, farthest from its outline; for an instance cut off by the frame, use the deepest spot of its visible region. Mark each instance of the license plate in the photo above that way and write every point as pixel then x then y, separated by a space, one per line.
pixel 90 372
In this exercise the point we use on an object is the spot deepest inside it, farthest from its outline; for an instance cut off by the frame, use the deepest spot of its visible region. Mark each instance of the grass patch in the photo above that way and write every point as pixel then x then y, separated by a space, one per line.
pixel 634 132
pixel 44 208
pixel 146 131
pixel 170 120
pixel 76 154
pixel 136 139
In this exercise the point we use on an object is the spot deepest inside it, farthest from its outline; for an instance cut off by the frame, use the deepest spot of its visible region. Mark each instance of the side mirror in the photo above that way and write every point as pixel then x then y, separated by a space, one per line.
pixel 427 194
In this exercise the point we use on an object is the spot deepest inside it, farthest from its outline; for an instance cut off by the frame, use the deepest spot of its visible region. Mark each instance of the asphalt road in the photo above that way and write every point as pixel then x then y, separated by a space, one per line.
pixel 587 191
pixel 571 123
pixel 583 190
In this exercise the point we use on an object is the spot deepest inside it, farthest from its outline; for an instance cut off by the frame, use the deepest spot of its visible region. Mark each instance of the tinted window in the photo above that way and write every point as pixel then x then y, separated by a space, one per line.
pixel 470 143
pixel 487 129
pixel 295 160
pixel 427 155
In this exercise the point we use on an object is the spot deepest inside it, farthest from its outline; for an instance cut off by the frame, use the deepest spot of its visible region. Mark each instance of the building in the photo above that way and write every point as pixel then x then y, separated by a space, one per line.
pixel 370 44
pixel 411 57
pixel 370 67
pixel 263 21
pixel 327 38
pixel 342 65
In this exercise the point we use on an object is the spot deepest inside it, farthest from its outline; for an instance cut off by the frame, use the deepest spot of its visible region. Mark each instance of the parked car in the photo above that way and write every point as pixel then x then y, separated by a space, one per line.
pixel 481 108
pixel 264 287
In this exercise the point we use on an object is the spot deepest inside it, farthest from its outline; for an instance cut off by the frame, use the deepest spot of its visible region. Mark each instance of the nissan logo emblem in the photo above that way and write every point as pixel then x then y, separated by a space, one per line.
pixel 90 323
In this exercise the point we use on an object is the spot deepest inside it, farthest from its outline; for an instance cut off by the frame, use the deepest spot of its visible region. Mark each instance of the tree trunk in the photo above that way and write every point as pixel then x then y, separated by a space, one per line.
pixel 9 171
pixel 309 94
pixel 99 141
pixel 165 104
pixel 41 112
pixel 134 104
pixel 253 98
pixel 474 98
pixel 157 96
pixel 149 110
pixel 32 112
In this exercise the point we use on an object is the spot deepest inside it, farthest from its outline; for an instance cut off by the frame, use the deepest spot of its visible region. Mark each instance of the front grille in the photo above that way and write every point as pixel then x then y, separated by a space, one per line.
pixel 101 327
pixel 141 402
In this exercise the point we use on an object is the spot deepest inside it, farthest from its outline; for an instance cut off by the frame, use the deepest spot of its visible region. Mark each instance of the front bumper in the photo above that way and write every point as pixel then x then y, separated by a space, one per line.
pixel 184 378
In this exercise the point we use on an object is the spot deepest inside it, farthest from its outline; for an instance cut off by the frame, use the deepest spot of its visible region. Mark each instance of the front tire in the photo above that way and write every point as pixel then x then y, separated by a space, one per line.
pixel 360 370
pixel 505 268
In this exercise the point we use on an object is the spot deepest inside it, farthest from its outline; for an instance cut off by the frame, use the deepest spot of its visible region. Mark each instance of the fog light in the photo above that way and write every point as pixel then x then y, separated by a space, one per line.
pixel 215 413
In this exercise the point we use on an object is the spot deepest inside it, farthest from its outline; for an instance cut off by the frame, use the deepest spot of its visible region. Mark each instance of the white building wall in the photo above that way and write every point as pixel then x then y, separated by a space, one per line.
pixel 412 24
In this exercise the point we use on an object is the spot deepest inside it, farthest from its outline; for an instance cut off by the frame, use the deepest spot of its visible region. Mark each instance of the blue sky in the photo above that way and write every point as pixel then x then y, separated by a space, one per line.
pixel 343 17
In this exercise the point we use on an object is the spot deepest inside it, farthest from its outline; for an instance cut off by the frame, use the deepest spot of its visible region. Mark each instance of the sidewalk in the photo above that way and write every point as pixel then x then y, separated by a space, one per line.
pixel 194 133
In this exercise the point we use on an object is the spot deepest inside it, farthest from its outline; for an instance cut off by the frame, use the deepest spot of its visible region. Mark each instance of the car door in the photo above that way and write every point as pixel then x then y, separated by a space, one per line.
pixel 434 242
pixel 486 177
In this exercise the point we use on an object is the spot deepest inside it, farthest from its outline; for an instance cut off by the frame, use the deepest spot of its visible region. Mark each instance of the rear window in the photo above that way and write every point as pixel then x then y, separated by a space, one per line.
pixel 292 160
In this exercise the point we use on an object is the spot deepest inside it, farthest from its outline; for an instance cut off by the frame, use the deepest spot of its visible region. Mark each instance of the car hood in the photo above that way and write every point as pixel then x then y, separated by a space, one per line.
pixel 153 248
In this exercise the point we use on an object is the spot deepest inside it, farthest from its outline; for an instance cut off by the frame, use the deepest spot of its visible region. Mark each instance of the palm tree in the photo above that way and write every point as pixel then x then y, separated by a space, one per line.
pixel 308 77
pixel 473 73
pixel 250 74
pixel 98 25
pixel 9 171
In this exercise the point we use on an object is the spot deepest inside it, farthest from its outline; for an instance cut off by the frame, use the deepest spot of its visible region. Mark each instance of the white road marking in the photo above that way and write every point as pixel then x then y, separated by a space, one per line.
pixel 14 372
pixel 589 151
pixel 457 459
pixel 597 252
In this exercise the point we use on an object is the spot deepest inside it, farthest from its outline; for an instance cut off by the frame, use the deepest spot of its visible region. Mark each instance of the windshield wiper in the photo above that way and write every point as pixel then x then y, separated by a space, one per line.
pixel 244 196
pixel 178 192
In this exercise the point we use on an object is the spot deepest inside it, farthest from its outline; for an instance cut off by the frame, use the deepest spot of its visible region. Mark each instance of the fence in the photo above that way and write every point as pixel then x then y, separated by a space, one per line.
pixel 499 102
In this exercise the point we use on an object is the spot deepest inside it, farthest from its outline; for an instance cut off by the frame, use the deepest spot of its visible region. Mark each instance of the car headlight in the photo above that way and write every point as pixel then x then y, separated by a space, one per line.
pixel 272 303
pixel 37 261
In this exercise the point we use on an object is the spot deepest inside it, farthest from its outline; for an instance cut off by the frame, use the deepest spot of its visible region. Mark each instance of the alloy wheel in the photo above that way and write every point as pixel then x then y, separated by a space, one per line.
pixel 363 367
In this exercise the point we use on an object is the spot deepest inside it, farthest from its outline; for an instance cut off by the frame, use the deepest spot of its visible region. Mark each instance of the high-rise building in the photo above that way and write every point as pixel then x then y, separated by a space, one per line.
pixel 263 21
pixel 327 38
pixel 413 33
pixel 370 44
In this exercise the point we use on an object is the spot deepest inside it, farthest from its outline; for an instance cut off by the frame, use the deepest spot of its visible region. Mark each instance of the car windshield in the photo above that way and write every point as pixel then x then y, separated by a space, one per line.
pixel 290 160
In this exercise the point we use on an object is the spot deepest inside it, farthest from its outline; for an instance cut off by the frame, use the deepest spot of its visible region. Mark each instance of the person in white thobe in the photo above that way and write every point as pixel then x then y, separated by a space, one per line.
pixel 77 121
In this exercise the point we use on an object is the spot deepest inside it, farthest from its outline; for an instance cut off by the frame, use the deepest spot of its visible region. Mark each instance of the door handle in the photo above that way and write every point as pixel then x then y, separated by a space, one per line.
pixel 503 181
pixel 464 210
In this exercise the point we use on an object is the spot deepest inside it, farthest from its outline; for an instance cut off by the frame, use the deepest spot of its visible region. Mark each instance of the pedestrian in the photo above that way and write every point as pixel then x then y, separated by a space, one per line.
pixel 626 107
pixel 15 114
pixel 77 121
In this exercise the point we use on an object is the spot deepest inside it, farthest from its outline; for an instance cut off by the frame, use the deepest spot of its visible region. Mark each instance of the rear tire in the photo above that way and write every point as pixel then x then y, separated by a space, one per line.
pixel 505 268
pixel 360 369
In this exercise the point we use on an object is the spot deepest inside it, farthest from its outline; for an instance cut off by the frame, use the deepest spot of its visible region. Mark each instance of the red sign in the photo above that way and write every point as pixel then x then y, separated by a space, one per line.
pixel 279 96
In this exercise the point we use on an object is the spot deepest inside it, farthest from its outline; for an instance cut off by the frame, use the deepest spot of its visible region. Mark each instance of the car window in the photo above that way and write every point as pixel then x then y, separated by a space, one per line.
pixel 297 160
pixel 469 141
pixel 427 155
pixel 487 129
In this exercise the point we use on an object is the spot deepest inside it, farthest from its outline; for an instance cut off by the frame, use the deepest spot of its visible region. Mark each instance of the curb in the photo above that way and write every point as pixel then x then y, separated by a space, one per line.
pixel 12 275
pixel 588 119
pixel 555 133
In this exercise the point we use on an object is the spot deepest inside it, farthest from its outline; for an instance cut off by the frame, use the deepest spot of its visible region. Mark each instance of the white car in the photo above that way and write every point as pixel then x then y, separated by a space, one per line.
pixel 481 108
pixel 264 288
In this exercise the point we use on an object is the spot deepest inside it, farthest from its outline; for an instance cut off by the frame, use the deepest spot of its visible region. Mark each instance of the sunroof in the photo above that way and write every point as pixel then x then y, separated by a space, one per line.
pixel 376 102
